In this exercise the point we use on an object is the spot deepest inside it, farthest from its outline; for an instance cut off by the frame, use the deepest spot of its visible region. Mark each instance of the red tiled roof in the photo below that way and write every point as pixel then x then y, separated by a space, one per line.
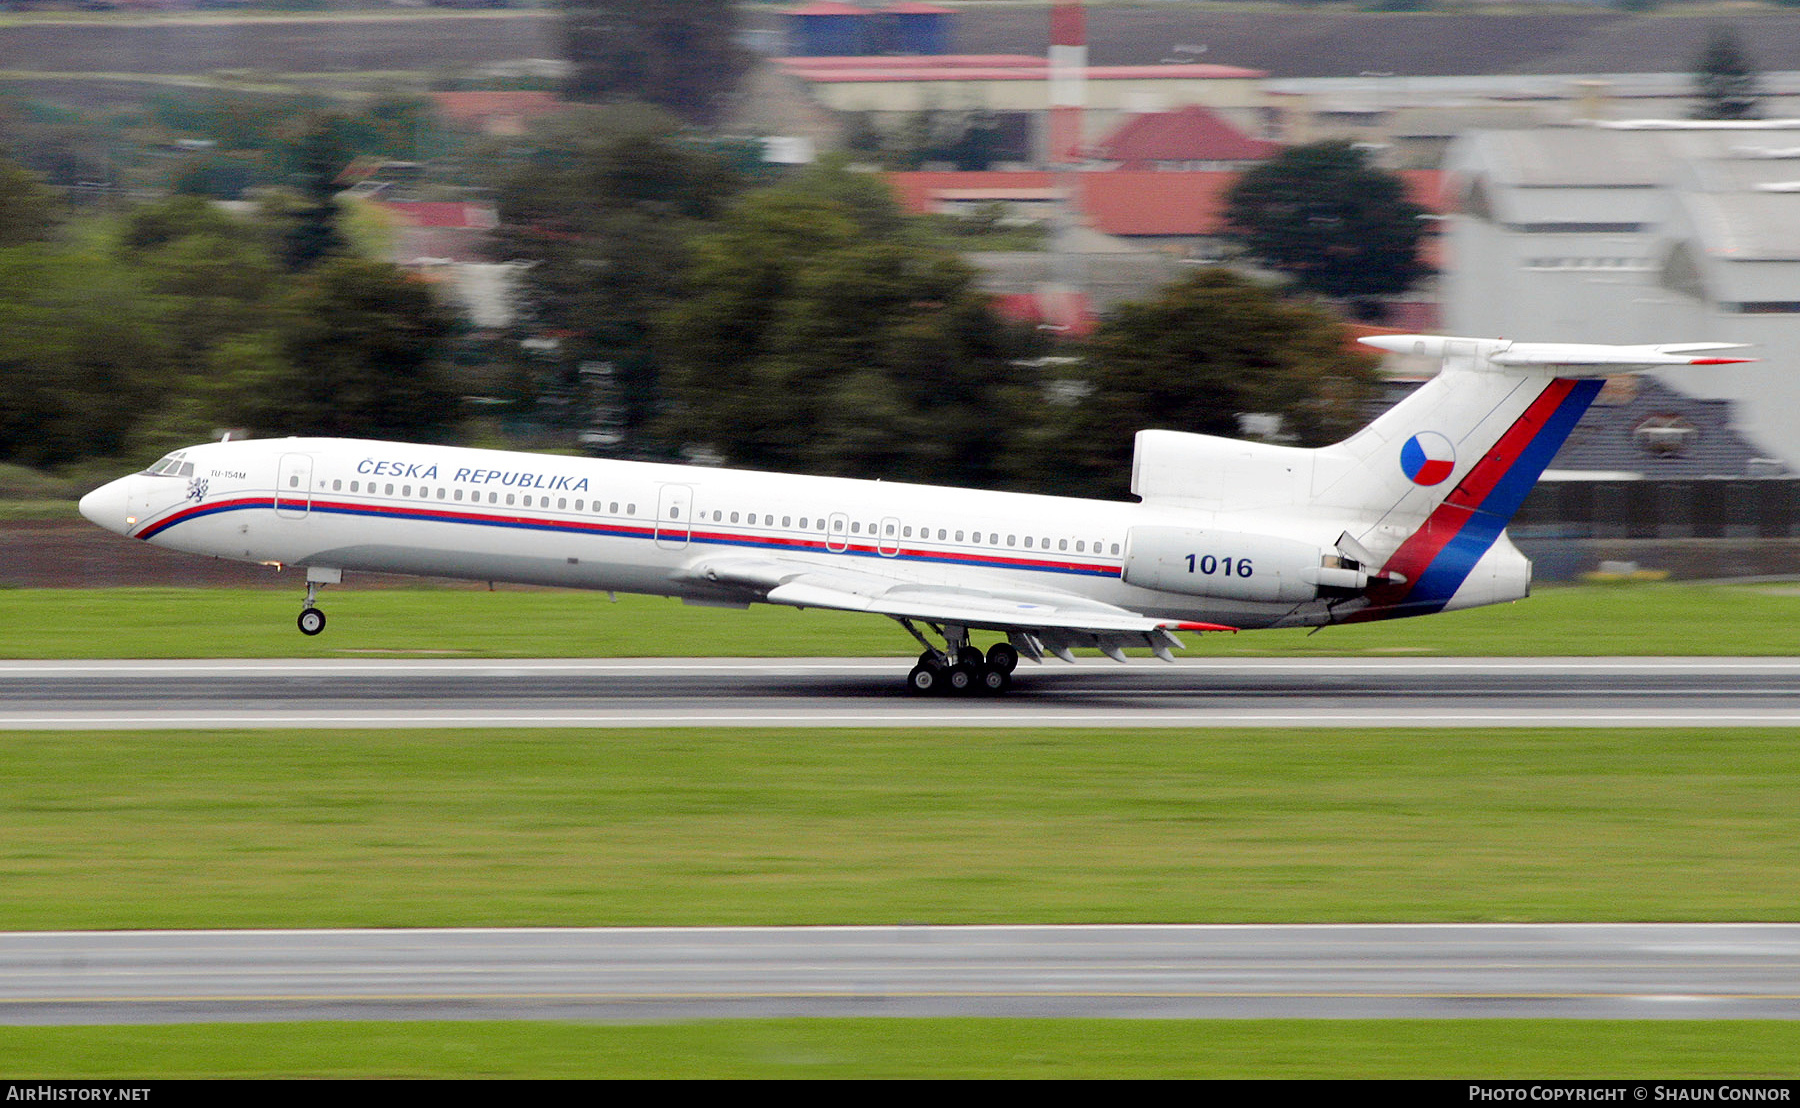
pixel 1189 134
pixel 1123 201
pixel 453 214
pixel 1145 202
pixel 1118 202
pixel 1070 314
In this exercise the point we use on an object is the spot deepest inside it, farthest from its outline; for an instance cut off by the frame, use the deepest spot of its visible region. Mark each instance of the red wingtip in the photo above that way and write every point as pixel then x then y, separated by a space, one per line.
pixel 1202 627
pixel 1718 361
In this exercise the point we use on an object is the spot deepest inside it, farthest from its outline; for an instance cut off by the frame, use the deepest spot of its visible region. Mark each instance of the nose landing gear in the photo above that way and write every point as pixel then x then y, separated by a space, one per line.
pixel 312 620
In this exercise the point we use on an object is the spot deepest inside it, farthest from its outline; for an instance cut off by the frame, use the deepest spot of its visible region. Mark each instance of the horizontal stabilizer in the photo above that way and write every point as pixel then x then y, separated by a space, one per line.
pixel 1564 359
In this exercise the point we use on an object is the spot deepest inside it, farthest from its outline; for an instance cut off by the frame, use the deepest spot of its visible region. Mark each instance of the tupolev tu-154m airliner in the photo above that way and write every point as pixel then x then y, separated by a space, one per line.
pixel 1405 517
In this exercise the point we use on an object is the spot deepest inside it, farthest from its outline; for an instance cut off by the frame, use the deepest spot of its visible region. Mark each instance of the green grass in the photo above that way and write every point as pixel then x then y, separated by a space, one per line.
pixel 681 827
pixel 1635 618
pixel 902 1048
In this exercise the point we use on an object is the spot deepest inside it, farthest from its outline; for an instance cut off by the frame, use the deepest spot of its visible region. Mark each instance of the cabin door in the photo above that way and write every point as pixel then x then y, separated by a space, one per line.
pixel 293 486
pixel 674 507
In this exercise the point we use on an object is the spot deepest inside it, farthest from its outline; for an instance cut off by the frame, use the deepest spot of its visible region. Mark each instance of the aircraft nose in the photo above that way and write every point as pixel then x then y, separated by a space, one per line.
pixel 109 506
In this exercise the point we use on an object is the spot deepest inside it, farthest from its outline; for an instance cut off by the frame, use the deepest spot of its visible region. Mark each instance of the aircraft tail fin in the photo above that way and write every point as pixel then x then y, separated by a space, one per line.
pixel 1436 478
pixel 1425 491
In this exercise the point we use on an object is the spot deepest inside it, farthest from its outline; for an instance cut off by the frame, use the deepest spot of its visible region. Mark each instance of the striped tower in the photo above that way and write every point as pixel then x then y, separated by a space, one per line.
pixel 1068 81
pixel 1061 304
pixel 1059 299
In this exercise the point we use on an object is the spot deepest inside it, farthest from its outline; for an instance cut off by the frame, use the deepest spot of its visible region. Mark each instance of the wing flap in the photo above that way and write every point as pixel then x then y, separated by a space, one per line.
pixel 1056 616
pixel 966 608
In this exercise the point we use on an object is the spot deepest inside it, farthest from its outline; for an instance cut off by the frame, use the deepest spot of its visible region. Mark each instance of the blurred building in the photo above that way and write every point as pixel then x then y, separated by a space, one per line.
pixel 1668 232
pixel 892 90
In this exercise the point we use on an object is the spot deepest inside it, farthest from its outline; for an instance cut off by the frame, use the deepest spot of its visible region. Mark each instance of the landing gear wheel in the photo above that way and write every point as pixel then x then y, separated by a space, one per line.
pixel 1003 657
pixel 959 679
pixel 990 681
pixel 925 678
pixel 312 621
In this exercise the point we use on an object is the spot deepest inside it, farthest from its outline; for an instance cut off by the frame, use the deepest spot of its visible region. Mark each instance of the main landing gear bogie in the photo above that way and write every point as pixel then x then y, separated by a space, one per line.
pixel 973 674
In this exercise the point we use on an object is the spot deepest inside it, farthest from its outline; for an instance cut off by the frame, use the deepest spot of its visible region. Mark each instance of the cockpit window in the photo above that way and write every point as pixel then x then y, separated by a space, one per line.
pixel 172 466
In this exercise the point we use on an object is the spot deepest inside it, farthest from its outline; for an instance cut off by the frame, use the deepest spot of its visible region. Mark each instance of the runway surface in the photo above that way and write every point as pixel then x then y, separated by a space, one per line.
pixel 828 692
pixel 1686 971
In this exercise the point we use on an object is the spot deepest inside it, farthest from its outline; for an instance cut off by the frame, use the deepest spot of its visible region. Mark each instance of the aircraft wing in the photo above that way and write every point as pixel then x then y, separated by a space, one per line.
pixel 1047 620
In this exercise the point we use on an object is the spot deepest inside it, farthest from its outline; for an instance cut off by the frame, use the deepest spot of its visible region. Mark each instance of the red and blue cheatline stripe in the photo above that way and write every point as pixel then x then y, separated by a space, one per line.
pixel 1437 558
pixel 696 536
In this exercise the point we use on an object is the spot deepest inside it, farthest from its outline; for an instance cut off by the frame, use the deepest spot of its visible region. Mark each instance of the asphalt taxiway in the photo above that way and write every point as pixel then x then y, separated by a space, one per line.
pixel 1435 971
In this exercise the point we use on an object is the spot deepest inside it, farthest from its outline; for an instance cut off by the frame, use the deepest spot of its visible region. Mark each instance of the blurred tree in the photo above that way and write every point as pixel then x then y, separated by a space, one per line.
pixel 214 271
pixel 602 206
pixel 82 355
pixel 355 352
pixel 806 343
pixel 319 154
pixel 1322 215
pixel 1203 352
pixel 679 54
pixel 1724 82
pixel 29 212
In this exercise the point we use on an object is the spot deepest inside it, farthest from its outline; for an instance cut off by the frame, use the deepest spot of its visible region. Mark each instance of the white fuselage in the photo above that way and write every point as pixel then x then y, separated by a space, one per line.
pixel 635 527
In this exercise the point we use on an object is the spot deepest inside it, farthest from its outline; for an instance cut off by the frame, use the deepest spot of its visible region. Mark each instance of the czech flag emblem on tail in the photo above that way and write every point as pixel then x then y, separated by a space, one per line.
pixel 1427 458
